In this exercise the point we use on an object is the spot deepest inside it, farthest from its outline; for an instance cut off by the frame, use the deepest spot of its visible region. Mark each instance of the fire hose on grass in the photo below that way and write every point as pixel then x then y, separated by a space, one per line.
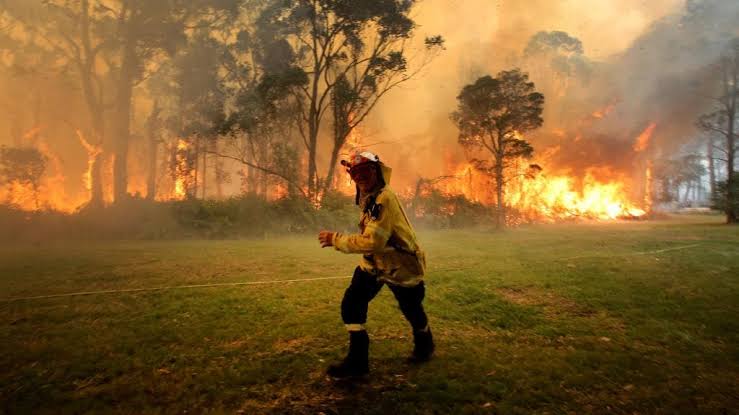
pixel 269 282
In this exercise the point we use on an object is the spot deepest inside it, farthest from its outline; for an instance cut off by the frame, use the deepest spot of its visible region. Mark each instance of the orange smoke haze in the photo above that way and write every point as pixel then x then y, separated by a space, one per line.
pixel 593 155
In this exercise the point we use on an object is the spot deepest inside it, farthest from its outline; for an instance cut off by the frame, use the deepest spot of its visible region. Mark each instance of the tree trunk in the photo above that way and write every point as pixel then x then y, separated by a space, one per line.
pixel 342 129
pixel 730 84
pixel 122 123
pixel 219 178
pixel 711 166
pixel 263 177
pixel 193 193
pixel 665 189
pixel 416 197
pixel 312 149
pixel 686 196
pixel 730 211
pixel 218 170
pixel 328 184
pixel 314 109
pixel 151 179
pixel 500 214
pixel 94 106
pixel 205 168
pixel 251 175
pixel 678 194
pixel 697 192
pixel 96 184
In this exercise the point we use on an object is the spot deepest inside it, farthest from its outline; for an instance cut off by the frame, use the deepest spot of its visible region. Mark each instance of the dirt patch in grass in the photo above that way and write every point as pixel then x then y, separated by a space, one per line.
pixel 320 394
pixel 294 345
pixel 235 344
pixel 556 307
pixel 552 305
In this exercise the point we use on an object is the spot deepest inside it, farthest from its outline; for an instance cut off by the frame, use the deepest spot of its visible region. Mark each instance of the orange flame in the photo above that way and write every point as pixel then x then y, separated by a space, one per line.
pixel 540 197
pixel 648 186
pixel 93 150
pixel 184 175
pixel 280 191
pixel 557 197
pixel 642 141
pixel 602 113
pixel 49 191
pixel 537 192
pixel 342 182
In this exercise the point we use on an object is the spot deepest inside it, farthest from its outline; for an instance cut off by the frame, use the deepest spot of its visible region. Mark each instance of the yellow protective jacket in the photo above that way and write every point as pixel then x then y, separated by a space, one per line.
pixel 386 239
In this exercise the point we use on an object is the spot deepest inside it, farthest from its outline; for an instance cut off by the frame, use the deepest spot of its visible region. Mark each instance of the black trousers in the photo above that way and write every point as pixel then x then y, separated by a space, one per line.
pixel 365 286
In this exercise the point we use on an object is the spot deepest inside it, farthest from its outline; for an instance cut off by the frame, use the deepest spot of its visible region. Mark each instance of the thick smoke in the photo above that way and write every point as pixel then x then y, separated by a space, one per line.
pixel 649 63
pixel 649 66
pixel 662 76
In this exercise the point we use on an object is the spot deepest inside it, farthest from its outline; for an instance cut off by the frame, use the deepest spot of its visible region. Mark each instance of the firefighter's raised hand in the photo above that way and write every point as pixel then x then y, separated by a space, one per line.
pixel 326 238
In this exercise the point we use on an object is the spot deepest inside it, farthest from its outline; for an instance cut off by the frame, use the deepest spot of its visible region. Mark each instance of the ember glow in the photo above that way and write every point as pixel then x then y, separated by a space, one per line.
pixel 643 140
pixel 184 174
pixel 353 142
pixel 535 194
pixel 50 191
pixel 93 151
pixel 558 197
pixel 602 113
pixel 611 119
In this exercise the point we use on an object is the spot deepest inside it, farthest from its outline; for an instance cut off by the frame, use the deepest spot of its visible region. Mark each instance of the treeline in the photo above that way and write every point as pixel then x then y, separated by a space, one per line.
pixel 244 216
pixel 255 82
pixel 161 95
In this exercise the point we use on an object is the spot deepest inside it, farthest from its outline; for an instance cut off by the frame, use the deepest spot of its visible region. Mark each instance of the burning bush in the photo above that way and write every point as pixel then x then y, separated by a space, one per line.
pixel 21 170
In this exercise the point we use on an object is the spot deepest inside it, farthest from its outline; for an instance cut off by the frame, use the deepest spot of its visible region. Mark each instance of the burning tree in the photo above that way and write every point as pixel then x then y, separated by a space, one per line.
pixel 229 94
pixel 153 126
pixel 65 38
pixel 492 114
pixel 113 46
pixel 22 167
pixel 197 110
pixel 182 168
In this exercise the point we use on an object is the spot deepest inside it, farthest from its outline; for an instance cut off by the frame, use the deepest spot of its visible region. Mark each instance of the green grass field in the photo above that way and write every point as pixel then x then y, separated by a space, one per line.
pixel 617 318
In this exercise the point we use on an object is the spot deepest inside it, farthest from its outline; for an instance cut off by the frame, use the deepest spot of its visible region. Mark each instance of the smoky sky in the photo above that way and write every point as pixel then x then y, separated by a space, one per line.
pixel 650 61
pixel 650 67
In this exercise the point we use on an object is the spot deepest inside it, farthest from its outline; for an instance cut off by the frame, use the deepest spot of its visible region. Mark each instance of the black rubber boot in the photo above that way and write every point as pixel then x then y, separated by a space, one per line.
pixel 356 362
pixel 423 347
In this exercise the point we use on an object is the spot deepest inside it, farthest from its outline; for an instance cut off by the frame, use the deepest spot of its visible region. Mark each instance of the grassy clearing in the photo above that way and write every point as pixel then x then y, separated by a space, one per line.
pixel 542 319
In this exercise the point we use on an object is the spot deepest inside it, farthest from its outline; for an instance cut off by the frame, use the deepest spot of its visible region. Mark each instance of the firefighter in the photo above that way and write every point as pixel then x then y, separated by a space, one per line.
pixel 390 255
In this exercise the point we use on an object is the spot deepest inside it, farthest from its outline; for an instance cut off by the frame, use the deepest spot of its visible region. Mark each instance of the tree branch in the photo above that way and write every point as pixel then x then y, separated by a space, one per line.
pixel 260 168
